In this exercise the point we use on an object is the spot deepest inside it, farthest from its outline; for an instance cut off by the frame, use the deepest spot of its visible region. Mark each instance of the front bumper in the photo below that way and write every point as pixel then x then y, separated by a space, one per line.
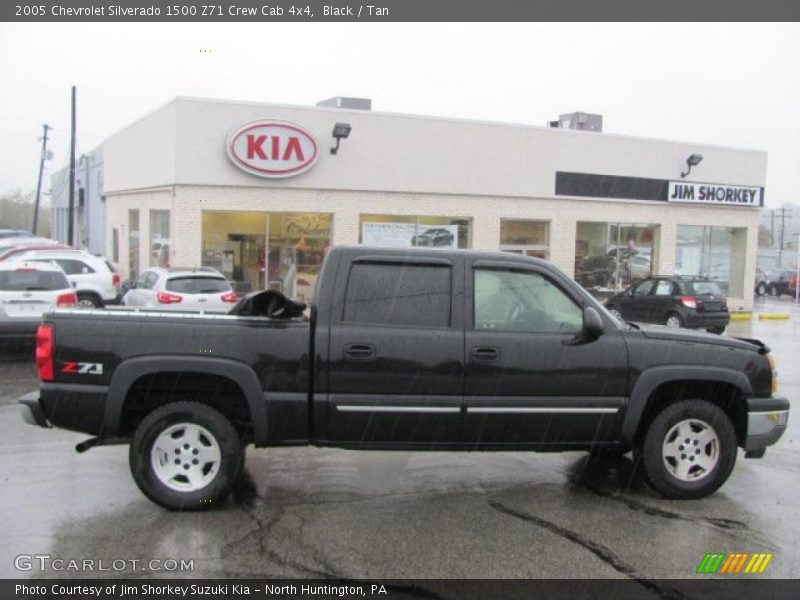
pixel 766 421
pixel 32 412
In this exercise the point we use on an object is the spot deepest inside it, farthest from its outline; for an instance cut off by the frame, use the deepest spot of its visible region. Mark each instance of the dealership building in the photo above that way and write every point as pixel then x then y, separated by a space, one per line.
pixel 261 191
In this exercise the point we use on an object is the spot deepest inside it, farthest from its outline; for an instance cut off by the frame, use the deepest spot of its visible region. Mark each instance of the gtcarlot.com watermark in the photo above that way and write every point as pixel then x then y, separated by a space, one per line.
pixel 47 562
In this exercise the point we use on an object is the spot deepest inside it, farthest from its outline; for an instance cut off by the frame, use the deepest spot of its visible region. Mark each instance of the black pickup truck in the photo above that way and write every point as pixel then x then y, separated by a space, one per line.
pixel 419 349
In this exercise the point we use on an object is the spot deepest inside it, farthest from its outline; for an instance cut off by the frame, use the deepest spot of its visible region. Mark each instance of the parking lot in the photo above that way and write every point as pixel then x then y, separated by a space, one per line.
pixel 307 512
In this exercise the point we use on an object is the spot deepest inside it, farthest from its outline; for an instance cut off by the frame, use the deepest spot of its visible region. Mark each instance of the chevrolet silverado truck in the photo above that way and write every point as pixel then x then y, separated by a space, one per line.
pixel 404 349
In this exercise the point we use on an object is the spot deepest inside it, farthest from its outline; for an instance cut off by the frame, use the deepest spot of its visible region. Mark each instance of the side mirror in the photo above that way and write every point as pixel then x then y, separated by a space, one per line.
pixel 629 291
pixel 593 326
pixel 592 329
pixel 130 284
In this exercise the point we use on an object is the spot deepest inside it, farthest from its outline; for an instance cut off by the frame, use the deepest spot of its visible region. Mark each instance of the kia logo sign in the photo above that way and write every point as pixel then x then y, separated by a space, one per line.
pixel 272 148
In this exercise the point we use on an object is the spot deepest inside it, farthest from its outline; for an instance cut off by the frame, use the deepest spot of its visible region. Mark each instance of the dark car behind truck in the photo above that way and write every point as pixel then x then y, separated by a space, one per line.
pixel 405 349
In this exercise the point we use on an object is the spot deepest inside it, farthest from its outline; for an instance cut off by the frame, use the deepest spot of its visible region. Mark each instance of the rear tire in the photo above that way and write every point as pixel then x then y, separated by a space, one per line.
pixel 89 301
pixel 761 289
pixel 673 319
pixel 186 456
pixel 684 470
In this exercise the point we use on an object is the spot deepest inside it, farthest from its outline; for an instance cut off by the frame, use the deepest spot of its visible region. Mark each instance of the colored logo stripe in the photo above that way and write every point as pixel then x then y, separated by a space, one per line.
pixel 734 563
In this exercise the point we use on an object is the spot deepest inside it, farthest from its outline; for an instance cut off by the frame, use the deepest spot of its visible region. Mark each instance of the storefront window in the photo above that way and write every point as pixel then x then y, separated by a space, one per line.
pixel 159 238
pixel 133 243
pixel 529 238
pixel 415 230
pixel 256 250
pixel 714 252
pixel 612 256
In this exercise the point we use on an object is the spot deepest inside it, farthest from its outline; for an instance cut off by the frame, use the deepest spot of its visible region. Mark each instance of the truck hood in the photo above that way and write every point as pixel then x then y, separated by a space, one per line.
pixel 662 332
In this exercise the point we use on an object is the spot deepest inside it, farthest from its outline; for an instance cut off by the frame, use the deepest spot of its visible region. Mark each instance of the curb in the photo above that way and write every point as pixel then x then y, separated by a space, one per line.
pixel 774 316
pixel 741 316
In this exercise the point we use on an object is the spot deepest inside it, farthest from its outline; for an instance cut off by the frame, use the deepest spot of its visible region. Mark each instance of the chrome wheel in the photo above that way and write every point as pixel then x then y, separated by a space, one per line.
pixel 86 303
pixel 185 457
pixel 690 450
pixel 673 321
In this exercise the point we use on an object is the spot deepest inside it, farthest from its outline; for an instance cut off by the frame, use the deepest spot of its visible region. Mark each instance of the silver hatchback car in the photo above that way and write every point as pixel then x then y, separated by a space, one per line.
pixel 181 289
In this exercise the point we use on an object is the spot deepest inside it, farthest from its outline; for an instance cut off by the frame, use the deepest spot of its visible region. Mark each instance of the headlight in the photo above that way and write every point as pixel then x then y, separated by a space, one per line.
pixel 771 361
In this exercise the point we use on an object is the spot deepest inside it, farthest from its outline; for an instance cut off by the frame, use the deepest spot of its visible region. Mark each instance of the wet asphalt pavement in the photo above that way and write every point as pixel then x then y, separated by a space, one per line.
pixel 306 512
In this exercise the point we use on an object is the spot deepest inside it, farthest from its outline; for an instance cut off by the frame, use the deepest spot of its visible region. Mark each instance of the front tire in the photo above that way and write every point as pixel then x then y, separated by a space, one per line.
pixel 689 449
pixel 186 456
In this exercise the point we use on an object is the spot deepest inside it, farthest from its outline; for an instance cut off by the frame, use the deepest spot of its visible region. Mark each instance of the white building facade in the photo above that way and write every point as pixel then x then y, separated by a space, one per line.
pixel 255 191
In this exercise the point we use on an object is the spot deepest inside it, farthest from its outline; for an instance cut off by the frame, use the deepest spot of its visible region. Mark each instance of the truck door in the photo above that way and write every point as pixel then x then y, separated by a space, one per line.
pixel 525 382
pixel 396 348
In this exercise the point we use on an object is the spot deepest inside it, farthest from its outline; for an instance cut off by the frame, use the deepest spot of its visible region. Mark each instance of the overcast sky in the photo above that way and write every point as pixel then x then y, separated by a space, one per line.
pixel 726 84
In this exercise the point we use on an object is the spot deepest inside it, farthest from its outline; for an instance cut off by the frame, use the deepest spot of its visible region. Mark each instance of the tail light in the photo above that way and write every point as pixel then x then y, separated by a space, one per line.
pixel 68 299
pixel 230 297
pixel 44 352
pixel 689 301
pixel 115 280
pixel 165 298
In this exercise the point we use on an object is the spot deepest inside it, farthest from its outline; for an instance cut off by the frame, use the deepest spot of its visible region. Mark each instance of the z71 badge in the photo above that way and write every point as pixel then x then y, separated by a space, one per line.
pixel 82 368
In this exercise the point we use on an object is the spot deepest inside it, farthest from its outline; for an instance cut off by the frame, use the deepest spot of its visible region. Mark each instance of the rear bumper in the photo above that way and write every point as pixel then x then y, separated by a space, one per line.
pixel 32 412
pixel 708 320
pixel 75 407
pixel 766 421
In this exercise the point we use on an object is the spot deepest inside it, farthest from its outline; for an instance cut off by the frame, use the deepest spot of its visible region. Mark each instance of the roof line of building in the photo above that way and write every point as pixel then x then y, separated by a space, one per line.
pixel 555 130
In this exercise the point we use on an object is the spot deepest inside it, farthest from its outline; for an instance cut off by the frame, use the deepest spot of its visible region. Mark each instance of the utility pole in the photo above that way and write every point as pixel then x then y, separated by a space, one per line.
pixel 784 214
pixel 39 184
pixel 71 221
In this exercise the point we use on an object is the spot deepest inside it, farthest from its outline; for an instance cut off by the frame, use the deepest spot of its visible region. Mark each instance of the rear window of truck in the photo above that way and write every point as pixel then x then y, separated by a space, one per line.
pixel 398 294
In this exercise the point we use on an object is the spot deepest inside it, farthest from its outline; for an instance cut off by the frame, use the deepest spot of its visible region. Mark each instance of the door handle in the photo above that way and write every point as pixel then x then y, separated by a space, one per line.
pixel 485 353
pixel 359 351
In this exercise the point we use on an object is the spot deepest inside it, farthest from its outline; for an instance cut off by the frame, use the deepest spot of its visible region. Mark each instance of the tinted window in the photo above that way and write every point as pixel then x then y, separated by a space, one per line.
pixel 22 281
pixel 664 288
pixel 700 288
pixel 388 294
pixel 74 267
pixel 643 289
pixel 523 301
pixel 198 285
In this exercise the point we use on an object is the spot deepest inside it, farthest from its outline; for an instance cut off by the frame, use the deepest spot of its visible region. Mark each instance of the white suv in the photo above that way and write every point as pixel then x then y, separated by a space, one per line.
pixel 201 289
pixel 94 278
pixel 27 291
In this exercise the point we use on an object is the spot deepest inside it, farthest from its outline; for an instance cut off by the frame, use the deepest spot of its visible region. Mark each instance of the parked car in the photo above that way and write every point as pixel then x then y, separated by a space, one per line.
pixel 438 236
pixel 412 349
pixel 675 301
pixel 94 279
pixel 784 283
pixel 180 288
pixel 14 233
pixel 15 245
pixel 27 291
pixel 762 281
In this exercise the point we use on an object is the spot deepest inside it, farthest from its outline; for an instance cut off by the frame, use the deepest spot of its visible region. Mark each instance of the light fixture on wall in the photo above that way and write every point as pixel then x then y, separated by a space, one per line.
pixel 340 131
pixel 692 161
